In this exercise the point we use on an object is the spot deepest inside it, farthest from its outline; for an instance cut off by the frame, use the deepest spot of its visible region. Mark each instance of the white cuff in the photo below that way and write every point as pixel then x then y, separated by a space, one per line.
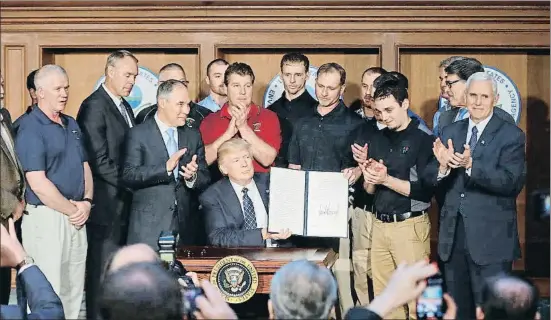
pixel 443 175
pixel 191 183
pixel 25 267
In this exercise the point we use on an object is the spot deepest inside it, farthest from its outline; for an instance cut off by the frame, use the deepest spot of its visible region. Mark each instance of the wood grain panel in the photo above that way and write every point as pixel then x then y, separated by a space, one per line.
pixel 265 65
pixel 15 79
pixel 85 68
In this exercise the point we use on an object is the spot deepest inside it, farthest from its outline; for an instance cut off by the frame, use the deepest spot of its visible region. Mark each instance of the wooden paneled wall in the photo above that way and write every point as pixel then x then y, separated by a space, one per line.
pixel 408 36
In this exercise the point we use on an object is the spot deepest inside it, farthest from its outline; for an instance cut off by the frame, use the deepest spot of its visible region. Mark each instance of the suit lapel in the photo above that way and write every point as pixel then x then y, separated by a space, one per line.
pixel 487 136
pixel 232 201
pixel 158 143
pixel 114 109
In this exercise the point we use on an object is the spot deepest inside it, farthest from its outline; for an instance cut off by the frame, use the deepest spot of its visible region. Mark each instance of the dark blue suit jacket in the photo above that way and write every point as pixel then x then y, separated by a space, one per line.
pixel 486 199
pixel 33 288
pixel 224 217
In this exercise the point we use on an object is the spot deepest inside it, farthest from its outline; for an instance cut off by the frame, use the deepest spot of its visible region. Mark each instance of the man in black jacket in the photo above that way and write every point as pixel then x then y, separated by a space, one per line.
pixel 163 160
pixel 197 113
pixel 105 118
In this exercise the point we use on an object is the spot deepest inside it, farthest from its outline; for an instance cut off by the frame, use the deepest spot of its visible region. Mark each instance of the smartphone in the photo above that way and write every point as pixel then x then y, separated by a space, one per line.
pixel 430 304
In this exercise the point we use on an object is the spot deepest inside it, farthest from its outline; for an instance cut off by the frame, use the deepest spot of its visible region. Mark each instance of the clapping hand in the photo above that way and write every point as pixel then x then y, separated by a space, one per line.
pixel 374 172
pixel 190 170
pixel 174 160
pixel 359 153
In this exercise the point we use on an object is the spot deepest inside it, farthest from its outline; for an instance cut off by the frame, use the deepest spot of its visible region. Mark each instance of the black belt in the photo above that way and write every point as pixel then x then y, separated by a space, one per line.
pixel 398 217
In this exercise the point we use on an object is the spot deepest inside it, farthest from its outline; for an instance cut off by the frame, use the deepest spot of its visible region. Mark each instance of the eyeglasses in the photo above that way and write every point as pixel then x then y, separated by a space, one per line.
pixel 450 83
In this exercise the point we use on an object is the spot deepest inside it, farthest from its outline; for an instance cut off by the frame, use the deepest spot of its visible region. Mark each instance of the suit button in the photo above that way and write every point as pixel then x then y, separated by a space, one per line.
pixel 462 195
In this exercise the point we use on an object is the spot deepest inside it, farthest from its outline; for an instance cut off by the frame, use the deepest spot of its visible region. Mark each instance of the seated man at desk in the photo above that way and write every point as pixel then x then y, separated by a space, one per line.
pixel 236 207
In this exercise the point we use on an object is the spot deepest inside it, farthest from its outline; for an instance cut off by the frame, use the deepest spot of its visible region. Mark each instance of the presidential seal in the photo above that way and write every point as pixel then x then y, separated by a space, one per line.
pixel 275 87
pixel 509 95
pixel 236 278
pixel 144 92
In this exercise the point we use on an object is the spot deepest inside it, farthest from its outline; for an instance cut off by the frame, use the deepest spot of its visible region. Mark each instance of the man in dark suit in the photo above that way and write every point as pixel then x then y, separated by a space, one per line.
pixel 197 113
pixel 457 74
pixel 481 171
pixel 12 203
pixel 105 117
pixel 236 207
pixel 32 286
pixel 163 160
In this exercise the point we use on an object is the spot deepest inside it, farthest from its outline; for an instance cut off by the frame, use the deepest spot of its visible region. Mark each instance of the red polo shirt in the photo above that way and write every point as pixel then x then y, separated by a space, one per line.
pixel 264 123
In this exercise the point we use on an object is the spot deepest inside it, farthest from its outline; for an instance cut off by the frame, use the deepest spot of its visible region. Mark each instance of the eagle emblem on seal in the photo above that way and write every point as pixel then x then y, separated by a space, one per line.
pixel 234 279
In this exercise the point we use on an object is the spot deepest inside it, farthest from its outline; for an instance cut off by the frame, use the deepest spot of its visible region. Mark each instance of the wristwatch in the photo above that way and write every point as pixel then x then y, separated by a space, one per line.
pixel 27 260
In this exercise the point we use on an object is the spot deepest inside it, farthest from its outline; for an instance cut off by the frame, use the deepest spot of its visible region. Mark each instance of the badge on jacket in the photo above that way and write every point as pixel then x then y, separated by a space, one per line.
pixel 405 149
pixel 256 126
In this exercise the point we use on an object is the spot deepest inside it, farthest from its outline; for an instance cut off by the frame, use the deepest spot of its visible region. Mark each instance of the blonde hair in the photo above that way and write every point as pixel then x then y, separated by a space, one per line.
pixel 231 146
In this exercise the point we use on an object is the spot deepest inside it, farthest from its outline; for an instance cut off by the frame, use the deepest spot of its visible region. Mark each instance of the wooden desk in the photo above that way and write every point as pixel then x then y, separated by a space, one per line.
pixel 266 260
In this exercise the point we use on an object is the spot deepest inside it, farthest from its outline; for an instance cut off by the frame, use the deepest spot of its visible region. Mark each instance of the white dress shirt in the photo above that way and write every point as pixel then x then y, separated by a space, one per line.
pixel 163 127
pixel 117 101
pixel 480 127
pixel 258 204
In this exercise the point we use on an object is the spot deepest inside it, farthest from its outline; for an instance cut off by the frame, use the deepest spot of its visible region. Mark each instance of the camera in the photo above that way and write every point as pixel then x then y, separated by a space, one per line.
pixel 167 252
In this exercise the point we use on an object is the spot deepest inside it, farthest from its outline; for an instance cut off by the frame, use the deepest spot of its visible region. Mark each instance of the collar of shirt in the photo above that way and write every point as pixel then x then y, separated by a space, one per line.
pixel 239 189
pixel 43 118
pixel 225 111
pixel 304 96
pixel 210 103
pixel 163 128
pixel 480 126
pixel 380 126
pixel 117 101
pixel 337 111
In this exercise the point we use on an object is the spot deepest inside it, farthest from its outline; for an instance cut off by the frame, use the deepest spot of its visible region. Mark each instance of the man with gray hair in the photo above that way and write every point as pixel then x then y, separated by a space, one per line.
pixel 302 290
pixel 163 160
pixel 481 171
pixel 457 74
pixel 105 117
pixel 443 94
pixel 59 189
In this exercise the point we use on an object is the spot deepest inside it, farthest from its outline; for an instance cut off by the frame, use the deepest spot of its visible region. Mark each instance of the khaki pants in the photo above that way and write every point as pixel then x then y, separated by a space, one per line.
pixel 59 250
pixel 342 271
pixel 407 241
pixel 362 223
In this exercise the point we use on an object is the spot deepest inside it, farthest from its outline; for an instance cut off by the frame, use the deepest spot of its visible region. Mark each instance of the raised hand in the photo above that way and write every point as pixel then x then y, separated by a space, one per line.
pixel 174 159
pixel 374 172
pixel 190 169
pixel 359 153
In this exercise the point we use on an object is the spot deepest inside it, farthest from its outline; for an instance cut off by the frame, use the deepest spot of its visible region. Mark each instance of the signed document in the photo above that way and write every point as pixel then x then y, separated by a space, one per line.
pixel 309 203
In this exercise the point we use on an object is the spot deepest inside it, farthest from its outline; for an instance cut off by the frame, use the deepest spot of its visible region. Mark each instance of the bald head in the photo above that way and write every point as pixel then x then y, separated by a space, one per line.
pixel 508 297
pixel 132 254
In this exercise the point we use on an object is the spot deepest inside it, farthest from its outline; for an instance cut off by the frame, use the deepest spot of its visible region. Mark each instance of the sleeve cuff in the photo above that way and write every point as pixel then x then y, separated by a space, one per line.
pixel 25 267
pixel 190 183
pixel 443 175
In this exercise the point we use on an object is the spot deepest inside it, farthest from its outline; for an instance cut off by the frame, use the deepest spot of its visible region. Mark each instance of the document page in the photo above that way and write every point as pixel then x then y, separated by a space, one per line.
pixel 327 205
pixel 286 209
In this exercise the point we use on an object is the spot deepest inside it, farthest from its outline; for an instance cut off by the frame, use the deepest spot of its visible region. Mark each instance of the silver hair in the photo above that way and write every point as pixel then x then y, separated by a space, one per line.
pixel 482 76
pixel 116 56
pixel 166 88
pixel 303 290
pixel 44 72
pixel 446 62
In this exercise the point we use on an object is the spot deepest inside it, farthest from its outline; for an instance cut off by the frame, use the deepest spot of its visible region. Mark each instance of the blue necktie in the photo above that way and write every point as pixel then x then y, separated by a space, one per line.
pixel 474 139
pixel 248 210
pixel 172 148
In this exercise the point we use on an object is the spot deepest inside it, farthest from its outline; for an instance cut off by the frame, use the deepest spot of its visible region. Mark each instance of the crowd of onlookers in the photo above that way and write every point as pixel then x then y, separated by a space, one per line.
pixel 137 286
